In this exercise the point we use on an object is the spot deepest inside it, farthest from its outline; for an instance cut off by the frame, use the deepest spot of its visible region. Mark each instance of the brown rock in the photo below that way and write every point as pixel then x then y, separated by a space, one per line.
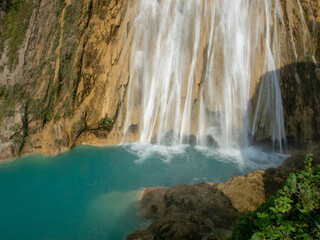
pixel 152 202
pixel 245 192
pixel 61 138
pixel 202 199
pixel 182 228
pixel 185 212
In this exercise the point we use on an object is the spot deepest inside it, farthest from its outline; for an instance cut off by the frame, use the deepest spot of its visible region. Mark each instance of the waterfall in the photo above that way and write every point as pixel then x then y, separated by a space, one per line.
pixel 197 66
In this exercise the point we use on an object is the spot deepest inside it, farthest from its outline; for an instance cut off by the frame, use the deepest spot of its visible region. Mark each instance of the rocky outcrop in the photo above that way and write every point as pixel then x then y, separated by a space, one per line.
pixel 204 210
pixel 200 210
pixel 65 69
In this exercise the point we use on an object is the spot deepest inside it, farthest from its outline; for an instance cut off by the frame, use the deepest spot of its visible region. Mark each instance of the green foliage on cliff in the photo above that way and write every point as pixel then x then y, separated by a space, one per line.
pixel 292 213
pixel 9 97
pixel 106 122
pixel 14 28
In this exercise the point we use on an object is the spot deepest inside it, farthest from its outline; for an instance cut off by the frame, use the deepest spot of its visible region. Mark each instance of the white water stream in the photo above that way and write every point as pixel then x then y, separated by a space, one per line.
pixel 196 66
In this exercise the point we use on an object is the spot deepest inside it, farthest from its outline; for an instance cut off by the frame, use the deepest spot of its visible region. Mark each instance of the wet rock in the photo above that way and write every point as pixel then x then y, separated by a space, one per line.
pixel 203 199
pixel 152 202
pixel 211 142
pixel 183 227
pixel 185 212
pixel 246 193
pixel 318 73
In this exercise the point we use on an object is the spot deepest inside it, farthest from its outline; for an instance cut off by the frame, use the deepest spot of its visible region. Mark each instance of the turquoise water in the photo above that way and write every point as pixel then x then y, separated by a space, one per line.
pixel 92 192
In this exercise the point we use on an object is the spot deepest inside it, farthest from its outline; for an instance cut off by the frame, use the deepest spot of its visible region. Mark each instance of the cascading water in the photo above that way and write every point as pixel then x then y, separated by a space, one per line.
pixel 195 67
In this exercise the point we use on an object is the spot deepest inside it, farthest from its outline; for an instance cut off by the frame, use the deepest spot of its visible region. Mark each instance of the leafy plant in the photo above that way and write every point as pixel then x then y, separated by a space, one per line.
pixel 292 213
pixel 106 122
pixel 16 127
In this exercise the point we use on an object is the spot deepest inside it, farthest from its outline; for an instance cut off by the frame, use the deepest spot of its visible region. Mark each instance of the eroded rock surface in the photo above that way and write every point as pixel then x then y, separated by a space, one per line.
pixel 12 132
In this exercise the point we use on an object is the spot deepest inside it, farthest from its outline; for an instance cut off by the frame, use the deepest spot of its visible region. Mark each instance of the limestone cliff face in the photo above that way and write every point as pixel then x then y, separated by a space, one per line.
pixel 65 66
pixel 64 75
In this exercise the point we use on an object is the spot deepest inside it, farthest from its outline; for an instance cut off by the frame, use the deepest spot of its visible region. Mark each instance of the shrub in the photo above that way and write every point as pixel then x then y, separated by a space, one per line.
pixel 292 213
pixel 106 122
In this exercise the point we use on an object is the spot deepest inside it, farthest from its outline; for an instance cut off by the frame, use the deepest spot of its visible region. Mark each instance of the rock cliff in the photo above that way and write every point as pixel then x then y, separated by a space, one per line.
pixel 59 73
pixel 65 67
pixel 300 83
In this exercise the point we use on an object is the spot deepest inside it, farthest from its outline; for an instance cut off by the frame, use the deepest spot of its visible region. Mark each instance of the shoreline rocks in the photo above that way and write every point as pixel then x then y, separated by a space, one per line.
pixel 205 210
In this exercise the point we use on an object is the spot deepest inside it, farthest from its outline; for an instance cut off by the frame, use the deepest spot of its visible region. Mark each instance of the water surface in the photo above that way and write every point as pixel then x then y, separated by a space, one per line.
pixel 92 192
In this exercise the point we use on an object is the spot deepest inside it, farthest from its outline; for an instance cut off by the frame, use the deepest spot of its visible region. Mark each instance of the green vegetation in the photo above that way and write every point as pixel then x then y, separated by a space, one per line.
pixel 14 28
pixel 59 100
pixel 18 136
pixel 40 110
pixel 106 122
pixel 9 97
pixel 78 124
pixel 57 142
pixel 70 40
pixel 16 127
pixel 292 213
pixel 68 75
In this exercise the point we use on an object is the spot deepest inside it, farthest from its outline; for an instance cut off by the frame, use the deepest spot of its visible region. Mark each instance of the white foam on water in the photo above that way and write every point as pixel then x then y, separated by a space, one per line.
pixel 261 158
pixel 251 158
pixel 146 150
pixel 231 155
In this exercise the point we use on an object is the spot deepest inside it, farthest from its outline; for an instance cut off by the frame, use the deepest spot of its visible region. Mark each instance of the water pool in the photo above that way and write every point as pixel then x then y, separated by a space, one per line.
pixel 92 192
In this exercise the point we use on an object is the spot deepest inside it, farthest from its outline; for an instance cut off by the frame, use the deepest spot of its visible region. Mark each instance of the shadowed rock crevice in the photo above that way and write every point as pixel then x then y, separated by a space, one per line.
pixel 300 88
pixel 300 95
